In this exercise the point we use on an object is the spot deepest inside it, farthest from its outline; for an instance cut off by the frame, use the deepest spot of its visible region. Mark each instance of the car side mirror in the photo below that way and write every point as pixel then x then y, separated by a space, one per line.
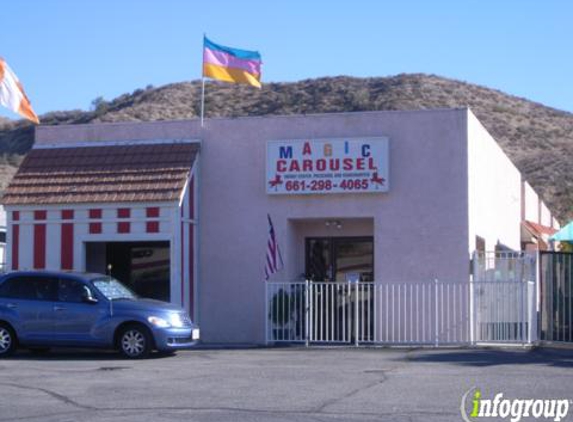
pixel 87 296
pixel 90 300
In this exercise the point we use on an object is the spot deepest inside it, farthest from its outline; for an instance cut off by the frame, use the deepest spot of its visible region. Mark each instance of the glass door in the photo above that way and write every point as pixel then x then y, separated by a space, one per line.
pixel 318 259
pixel 353 259
pixel 340 259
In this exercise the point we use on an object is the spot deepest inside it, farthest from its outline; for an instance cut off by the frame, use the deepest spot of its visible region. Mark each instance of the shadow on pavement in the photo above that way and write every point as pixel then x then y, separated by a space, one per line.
pixel 560 358
pixel 75 354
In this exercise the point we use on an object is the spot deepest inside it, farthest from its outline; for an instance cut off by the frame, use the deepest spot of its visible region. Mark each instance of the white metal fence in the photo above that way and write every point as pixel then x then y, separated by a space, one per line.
pixel 504 266
pixel 504 312
pixel 504 298
pixel 421 313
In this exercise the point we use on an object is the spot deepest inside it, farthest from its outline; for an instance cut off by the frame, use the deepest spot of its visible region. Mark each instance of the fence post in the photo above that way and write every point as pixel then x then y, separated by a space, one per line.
pixel 532 311
pixel 436 325
pixel 472 313
pixel 537 296
pixel 307 312
pixel 524 311
pixel 356 326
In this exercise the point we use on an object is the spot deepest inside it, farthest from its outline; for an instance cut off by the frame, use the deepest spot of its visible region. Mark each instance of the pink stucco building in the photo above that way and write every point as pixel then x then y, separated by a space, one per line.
pixel 180 210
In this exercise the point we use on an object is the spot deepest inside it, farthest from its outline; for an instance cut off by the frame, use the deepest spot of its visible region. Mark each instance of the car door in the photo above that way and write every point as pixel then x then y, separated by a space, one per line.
pixel 77 319
pixel 27 301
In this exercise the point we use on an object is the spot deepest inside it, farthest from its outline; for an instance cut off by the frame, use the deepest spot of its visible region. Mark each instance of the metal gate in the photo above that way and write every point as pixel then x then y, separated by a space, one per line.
pixel 504 297
pixel 418 313
pixel 318 312
pixel 556 299
pixel 504 312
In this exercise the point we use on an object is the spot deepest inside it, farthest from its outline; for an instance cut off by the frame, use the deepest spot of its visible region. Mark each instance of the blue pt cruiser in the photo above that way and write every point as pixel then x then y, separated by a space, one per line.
pixel 45 309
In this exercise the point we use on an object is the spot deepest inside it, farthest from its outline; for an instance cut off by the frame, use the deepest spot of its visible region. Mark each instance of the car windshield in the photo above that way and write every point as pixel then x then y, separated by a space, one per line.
pixel 113 289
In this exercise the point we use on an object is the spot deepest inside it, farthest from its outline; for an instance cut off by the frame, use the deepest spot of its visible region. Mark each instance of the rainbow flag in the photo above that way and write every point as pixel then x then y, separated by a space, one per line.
pixel 231 64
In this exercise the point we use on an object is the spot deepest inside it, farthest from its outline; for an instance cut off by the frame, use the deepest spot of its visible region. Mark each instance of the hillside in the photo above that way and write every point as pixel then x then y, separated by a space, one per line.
pixel 537 138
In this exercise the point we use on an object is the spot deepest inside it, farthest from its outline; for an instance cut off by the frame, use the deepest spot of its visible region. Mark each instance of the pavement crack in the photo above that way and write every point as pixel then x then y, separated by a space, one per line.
pixel 383 377
pixel 57 396
pixel 42 417
pixel 313 414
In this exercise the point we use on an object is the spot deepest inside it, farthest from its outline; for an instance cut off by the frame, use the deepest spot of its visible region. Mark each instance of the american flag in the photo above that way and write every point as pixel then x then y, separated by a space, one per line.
pixel 274 258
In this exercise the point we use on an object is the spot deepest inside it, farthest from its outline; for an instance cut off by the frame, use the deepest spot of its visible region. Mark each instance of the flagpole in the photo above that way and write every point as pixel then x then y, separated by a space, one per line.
pixel 203 84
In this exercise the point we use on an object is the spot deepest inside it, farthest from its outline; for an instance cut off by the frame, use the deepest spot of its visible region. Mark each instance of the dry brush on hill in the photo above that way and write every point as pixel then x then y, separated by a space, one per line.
pixel 537 138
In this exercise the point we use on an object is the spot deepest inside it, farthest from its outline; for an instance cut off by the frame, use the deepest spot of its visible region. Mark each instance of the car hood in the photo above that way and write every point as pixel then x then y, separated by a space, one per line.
pixel 150 305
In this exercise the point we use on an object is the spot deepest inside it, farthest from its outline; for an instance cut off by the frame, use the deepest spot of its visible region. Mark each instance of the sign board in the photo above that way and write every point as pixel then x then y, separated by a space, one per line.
pixel 322 166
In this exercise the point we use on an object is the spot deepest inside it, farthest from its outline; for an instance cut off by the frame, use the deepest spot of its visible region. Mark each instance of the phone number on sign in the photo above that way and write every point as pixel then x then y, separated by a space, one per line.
pixel 326 185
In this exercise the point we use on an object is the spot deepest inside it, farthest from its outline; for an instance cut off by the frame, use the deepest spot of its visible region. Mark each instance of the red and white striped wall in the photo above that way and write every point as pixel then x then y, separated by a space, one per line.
pixel 187 241
pixel 54 237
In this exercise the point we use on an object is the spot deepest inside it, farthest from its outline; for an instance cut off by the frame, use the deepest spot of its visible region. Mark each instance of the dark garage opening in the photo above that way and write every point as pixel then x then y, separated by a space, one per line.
pixel 143 266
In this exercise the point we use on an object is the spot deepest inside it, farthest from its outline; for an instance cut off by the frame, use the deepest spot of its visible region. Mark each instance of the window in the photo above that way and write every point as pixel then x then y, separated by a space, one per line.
pixel 72 291
pixel 8 288
pixel 29 288
pixel 113 289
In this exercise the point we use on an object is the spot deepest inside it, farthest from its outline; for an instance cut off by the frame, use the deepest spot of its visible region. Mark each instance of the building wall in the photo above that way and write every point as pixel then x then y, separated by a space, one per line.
pixel 555 223
pixel 82 228
pixel 545 217
pixel 419 226
pixel 2 242
pixel 535 209
pixel 531 204
pixel 494 195
pixel 188 254
pixel 449 181
pixel 54 237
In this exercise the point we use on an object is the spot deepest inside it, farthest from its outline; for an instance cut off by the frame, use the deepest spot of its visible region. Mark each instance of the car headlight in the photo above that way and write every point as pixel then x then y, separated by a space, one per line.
pixel 159 322
pixel 176 321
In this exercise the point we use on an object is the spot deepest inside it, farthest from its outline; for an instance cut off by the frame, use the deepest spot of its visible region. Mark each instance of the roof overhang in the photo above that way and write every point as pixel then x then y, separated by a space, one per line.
pixel 103 172
pixel 536 233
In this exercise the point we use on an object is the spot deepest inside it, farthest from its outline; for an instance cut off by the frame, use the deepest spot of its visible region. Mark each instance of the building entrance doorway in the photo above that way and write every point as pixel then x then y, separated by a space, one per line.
pixel 143 266
pixel 349 259
pixel 341 270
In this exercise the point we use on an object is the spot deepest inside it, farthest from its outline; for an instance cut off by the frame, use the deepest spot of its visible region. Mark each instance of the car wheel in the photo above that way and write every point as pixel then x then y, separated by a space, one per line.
pixel 7 340
pixel 134 342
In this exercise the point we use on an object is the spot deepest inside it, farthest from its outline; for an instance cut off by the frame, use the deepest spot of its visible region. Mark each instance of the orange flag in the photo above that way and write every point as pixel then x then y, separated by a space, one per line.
pixel 12 94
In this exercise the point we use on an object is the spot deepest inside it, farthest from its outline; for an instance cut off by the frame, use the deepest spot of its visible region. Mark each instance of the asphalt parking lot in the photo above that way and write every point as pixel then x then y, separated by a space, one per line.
pixel 277 384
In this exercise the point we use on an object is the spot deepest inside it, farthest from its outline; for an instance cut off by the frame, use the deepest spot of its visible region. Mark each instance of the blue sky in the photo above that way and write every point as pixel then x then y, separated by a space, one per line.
pixel 68 52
